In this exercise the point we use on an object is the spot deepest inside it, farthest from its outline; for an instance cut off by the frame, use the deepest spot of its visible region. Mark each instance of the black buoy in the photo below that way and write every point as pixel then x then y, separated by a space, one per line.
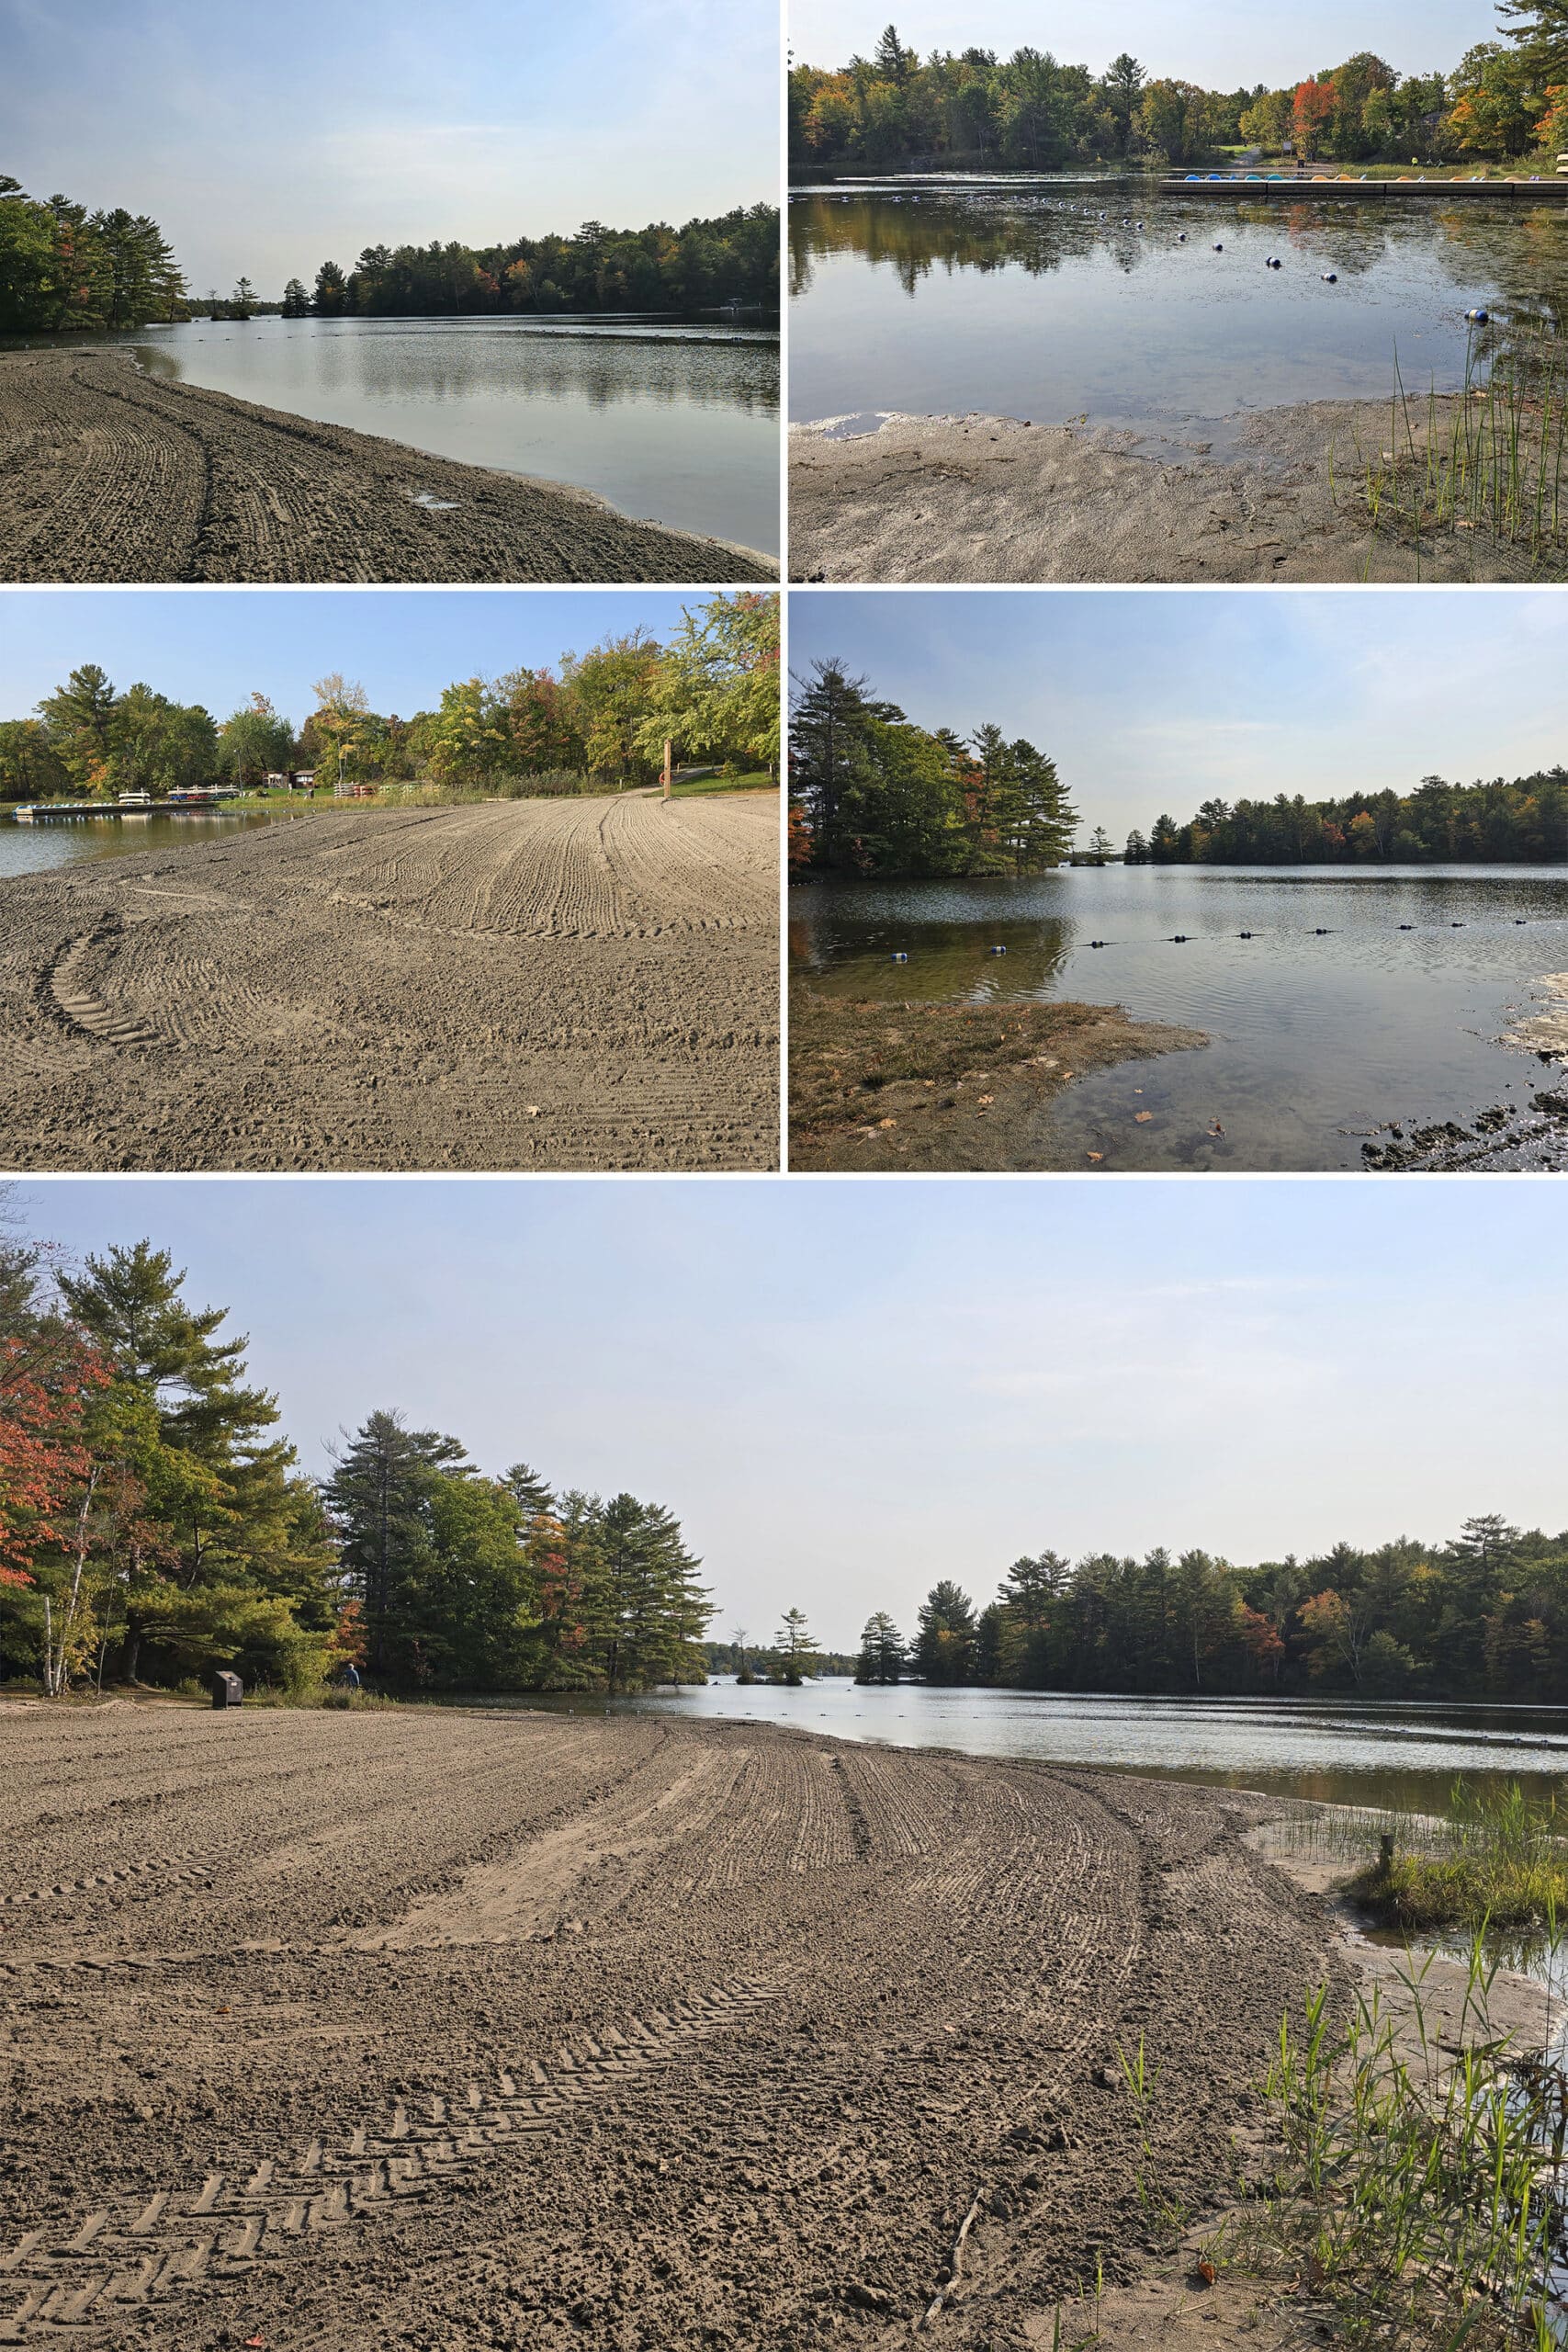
pixel 1219 249
pixel 1181 940
pixel 1244 935
pixel 1182 238
pixel 1320 933
pixel 1406 926
pixel 1100 942
pixel 1455 926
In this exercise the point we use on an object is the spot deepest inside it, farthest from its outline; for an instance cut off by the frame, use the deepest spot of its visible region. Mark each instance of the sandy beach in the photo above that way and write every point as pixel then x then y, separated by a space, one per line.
pixel 109 474
pixel 525 984
pixel 987 497
pixel 422 2027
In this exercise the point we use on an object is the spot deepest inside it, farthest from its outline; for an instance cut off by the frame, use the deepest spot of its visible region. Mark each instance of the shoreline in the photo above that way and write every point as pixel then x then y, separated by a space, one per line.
pixel 109 475
pixel 945 1086
pixel 982 498
pixel 530 984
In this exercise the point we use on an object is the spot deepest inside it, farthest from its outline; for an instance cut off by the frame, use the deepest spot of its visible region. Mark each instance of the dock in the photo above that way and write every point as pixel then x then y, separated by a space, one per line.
pixel 1280 187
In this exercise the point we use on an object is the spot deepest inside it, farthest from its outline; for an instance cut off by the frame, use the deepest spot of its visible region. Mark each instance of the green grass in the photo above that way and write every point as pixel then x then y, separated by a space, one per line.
pixel 1496 1861
pixel 1421 2190
pixel 758 782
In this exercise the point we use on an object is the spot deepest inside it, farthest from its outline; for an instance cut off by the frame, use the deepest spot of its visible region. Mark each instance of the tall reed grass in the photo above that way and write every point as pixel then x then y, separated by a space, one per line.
pixel 1491 463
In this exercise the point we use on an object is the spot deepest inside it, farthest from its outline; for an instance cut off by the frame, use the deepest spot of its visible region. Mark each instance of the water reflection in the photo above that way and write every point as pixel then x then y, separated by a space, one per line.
pixel 677 421
pixel 1333 1000
pixel 41 849
pixel 1018 300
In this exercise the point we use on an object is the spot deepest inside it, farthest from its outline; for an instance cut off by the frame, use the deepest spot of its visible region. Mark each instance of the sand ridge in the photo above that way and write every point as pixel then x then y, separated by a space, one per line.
pixel 110 474
pixel 434 2028
pixel 575 983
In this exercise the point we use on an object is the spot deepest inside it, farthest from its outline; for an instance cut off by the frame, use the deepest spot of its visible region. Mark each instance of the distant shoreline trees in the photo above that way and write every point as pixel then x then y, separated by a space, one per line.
pixel 872 793
pixel 1484 1616
pixel 598 719
pixel 1034 112
pixel 1520 822
pixel 704 266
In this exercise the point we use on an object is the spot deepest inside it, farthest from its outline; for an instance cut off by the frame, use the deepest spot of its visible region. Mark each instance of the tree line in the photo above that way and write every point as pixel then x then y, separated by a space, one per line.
pixel 1520 822
pixel 1031 111
pixel 63 267
pixel 1484 1616
pixel 597 719
pixel 872 793
pixel 155 1527
pixel 704 266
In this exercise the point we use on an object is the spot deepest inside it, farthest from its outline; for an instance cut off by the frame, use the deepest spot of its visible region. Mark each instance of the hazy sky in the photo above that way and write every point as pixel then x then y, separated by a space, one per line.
pixel 1151 702
pixel 1224 44
pixel 217 645
pixel 270 139
pixel 846 1390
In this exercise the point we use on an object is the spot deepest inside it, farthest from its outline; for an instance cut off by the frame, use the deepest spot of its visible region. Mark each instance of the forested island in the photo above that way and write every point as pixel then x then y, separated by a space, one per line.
pixel 872 793
pixel 1506 101
pixel 1522 822
pixel 155 1526
pixel 1482 1617
pixel 595 721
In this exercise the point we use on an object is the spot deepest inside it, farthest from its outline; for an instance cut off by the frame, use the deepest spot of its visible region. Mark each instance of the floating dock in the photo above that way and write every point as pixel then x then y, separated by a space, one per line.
pixel 1337 189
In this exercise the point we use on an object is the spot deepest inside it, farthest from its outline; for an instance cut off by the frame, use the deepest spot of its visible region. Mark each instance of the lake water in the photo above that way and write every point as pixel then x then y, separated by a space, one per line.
pixel 1012 298
pixel 673 423
pixel 1331 1752
pixel 40 849
pixel 1313 1041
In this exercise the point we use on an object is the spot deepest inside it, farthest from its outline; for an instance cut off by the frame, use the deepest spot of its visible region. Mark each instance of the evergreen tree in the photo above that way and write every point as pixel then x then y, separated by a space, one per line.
pixel 796 1648
pixel 881 1655
pixel 381 1497
pixel 296 300
pixel 944 1644
pixel 331 297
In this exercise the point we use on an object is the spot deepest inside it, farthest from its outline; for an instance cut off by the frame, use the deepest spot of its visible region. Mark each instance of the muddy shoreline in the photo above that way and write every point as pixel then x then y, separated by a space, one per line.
pixel 529 984
pixel 430 2027
pixel 108 474
pixel 987 497
pixel 875 1086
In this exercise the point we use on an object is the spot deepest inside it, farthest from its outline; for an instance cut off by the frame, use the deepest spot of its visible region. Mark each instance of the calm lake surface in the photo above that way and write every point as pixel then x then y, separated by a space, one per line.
pixel 1332 1753
pixel 1313 1041
pixel 673 423
pixel 38 849
pixel 1012 298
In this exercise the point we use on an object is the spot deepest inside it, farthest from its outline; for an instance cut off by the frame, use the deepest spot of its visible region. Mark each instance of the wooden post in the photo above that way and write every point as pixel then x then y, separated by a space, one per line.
pixel 1385 1852
pixel 669 749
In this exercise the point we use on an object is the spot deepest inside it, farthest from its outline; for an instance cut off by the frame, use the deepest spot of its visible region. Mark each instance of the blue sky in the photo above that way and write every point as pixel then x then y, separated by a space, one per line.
pixel 848 1390
pixel 216 646
pixel 268 139
pixel 1151 702
pixel 1224 44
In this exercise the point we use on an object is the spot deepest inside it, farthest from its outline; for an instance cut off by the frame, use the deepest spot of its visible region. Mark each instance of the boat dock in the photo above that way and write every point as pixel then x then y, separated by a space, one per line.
pixel 61 812
pixel 1280 187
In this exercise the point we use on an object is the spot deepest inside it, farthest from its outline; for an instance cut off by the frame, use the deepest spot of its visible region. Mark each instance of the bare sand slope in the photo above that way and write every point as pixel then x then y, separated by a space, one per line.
pixel 988 498
pixel 108 474
pixel 426 2029
pixel 525 984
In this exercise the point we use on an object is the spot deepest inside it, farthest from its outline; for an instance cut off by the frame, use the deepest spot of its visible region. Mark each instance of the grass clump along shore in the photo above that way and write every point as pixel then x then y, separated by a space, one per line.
pixel 1496 1858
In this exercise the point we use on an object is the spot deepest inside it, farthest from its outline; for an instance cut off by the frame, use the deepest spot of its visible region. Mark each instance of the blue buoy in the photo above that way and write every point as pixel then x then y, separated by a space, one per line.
pixel 999 951
pixel 1219 249
pixel 901 959
pixel 1182 238
pixel 1331 277
pixel 1478 318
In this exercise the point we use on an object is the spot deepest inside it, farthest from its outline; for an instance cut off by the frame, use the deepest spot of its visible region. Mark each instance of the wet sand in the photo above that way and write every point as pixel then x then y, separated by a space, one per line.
pixel 960 1087
pixel 525 984
pixel 108 474
pixel 431 2028
pixel 980 498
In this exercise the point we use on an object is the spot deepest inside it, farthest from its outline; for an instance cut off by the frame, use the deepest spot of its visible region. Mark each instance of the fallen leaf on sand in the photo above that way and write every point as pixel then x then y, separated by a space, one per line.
pixel 1206 2270
pixel 533 1110
pixel 985 1100
pixel 885 1123
pixel 1142 1117
pixel 1096 1155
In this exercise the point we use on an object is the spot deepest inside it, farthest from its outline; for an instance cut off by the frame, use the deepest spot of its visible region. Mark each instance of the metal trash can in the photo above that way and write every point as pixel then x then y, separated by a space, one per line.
pixel 228 1690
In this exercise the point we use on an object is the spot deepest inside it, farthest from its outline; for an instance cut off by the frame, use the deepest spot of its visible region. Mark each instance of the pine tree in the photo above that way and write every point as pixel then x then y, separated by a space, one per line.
pixel 944 1644
pixel 796 1648
pixel 296 300
pixel 380 1498
pixel 881 1655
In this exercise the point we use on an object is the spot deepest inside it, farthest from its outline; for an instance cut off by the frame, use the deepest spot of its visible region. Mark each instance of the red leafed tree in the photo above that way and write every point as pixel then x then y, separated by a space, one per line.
pixel 1316 102
pixel 45 1386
